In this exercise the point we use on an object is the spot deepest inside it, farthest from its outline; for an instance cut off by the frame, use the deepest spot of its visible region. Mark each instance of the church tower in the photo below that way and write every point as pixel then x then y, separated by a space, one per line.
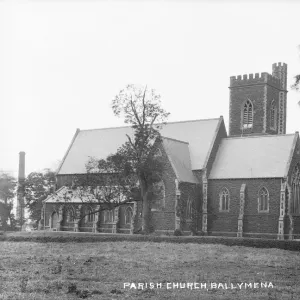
pixel 258 103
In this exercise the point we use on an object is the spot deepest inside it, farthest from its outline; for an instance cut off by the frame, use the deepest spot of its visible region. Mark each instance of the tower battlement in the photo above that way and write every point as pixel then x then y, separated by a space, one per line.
pixel 257 78
pixel 281 65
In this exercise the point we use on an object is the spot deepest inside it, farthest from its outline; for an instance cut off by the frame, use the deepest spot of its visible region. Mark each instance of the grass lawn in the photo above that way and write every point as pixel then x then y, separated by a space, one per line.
pixel 99 270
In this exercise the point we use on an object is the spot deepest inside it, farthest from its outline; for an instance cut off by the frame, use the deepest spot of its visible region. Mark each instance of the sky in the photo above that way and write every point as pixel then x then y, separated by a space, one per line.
pixel 62 63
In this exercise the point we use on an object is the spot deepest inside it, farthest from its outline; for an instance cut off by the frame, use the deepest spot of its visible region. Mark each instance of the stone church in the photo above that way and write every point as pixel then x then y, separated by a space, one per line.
pixel 244 183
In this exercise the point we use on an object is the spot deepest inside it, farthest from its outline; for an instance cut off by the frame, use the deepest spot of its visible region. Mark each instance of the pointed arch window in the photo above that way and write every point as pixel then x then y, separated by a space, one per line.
pixel 128 215
pixel 248 114
pixel 70 215
pixel 90 217
pixel 189 208
pixel 224 199
pixel 263 200
pixel 295 184
pixel 273 115
pixel 109 216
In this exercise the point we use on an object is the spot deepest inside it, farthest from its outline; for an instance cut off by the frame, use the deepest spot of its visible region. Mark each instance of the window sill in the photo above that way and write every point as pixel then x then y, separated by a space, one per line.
pixel 157 209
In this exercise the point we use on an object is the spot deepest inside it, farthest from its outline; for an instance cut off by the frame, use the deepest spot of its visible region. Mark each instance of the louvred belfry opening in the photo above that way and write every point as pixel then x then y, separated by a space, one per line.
pixel 248 115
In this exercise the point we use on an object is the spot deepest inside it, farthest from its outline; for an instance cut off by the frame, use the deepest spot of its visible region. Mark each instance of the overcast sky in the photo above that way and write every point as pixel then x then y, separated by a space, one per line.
pixel 62 62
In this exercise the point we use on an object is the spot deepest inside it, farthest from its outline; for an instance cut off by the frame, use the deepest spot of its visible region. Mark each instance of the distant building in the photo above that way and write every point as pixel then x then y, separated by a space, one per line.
pixel 246 183
pixel 20 212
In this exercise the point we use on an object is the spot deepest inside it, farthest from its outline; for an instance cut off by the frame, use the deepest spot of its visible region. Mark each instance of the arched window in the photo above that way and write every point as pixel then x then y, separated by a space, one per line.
pixel 158 195
pixel 273 115
pixel 90 216
pixel 248 114
pixel 295 201
pixel 263 200
pixel 128 215
pixel 189 208
pixel 108 216
pixel 54 219
pixel 70 215
pixel 224 200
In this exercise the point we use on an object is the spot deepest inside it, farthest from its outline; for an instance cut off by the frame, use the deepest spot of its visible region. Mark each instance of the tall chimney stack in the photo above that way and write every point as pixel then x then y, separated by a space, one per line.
pixel 20 198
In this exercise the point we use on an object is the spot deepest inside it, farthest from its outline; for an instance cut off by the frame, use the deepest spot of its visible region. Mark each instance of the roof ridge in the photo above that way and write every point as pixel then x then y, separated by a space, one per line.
pixel 258 136
pixel 186 121
pixel 165 137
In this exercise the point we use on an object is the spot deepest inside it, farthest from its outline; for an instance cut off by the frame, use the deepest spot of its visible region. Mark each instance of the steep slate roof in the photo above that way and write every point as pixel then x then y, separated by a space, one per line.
pixel 253 157
pixel 100 143
pixel 179 156
pixel 60 197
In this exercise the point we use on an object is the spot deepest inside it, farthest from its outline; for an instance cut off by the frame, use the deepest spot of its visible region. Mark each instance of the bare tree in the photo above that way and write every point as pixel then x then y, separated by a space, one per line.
pixel 130 173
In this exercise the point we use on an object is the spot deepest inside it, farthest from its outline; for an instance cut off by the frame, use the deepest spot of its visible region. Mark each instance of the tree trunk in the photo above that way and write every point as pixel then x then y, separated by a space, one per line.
pixel 146 211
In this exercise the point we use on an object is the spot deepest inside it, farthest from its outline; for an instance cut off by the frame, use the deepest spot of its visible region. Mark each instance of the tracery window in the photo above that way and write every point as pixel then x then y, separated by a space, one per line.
pixel 70 215
pixel 128 215
pixel 108 216
pixel 224 199
pixel 263 200
pixel 295 185
pixel 90 217
pixel 248 114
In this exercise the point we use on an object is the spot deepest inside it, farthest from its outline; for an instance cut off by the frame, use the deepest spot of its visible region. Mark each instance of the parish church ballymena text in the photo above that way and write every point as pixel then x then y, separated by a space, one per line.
pixel 244 183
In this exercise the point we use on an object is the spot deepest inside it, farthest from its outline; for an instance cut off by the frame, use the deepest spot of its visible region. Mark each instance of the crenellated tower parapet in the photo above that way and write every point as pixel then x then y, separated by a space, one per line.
pixel 255 79
pixel 279 70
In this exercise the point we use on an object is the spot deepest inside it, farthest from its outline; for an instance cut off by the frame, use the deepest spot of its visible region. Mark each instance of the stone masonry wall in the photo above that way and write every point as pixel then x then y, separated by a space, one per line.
pixel 295 159
pixel 254 222
pixel 164 217
pixel 238 96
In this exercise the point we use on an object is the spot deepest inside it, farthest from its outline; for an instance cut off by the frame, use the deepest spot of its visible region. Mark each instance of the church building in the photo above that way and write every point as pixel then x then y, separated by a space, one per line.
pixel 243 183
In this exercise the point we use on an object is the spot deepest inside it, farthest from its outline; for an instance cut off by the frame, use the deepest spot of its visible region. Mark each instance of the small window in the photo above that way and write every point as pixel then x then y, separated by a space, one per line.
pixel 263 200
pixel 273 115
pixel 157 153
pixel 128 215
pixel 247 115
pixel 224 200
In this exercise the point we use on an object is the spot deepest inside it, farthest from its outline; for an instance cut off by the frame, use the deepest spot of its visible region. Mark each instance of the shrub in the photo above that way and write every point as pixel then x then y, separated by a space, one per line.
pixel 177 232
pixel 229 241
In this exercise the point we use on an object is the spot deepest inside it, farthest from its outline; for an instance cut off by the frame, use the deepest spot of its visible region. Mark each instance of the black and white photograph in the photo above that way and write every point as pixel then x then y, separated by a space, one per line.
pixel 149 149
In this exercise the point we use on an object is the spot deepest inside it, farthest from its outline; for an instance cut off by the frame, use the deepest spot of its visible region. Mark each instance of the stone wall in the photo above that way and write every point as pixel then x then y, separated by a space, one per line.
pixel 255 222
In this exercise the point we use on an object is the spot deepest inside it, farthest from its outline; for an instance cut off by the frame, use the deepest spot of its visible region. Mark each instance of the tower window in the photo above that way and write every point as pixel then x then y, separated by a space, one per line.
pixel 273 115
pixel 248 115
pixel 263 200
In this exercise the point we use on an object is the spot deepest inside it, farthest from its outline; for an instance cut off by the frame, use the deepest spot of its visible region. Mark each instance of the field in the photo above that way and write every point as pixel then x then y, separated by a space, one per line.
pixel 99 270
